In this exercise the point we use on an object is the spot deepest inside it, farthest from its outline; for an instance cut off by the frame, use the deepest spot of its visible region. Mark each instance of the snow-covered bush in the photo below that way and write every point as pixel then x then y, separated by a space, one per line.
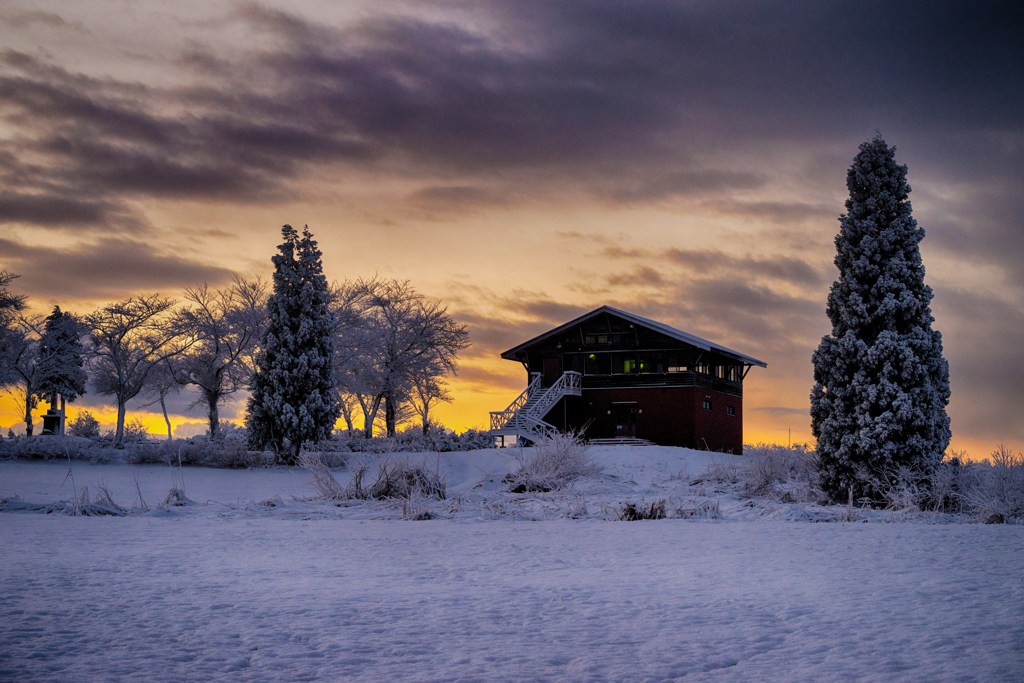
pixel 904 490
pixel 411 440
pixel 396 478
pixel 401 478
pixel 720 473
pixel 135 431
pixel 783 473
pixel 201 451
pixel 635 512
pixel 327 487
pixel 473 440
pixel 993 491
pixel 55 448
pixel 698 508
pixel 552 463
pixel 84 425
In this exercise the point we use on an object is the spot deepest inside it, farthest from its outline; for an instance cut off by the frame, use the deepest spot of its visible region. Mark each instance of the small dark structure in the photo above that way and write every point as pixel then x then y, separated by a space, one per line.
pixel 622 376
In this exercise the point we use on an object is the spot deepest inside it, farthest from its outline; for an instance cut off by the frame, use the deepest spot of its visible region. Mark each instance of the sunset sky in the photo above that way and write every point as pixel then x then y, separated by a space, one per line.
pixel 526 162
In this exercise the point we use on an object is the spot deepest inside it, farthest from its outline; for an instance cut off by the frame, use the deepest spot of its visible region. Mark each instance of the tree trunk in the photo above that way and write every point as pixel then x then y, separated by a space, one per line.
pixel 119 434
pixel 63 413
pixel 163 407
pixel 214 416
pixel 389 415
pixel 28 414
pixel 369 417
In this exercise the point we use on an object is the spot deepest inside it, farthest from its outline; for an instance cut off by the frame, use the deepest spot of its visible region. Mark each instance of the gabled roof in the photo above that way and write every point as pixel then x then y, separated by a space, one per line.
pixel 664 329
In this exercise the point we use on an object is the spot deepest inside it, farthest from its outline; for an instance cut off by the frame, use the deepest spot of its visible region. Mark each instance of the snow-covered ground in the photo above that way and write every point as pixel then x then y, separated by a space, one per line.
pixel 255 581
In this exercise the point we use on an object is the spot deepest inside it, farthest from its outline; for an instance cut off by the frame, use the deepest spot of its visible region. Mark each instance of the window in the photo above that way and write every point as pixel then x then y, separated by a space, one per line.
pixel 730 410
pixel 652 361
pixel 702 368
pixel 707 404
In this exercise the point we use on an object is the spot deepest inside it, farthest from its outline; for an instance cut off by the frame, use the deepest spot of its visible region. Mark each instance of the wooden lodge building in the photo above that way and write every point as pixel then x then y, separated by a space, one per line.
pixel 622 376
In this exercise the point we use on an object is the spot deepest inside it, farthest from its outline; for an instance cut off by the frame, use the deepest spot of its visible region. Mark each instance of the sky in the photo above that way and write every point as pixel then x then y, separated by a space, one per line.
pixel 526 162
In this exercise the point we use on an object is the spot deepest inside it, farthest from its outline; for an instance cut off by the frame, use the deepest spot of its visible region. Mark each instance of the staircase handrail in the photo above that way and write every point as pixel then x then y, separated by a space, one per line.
pixel 569 381
pixel 500 418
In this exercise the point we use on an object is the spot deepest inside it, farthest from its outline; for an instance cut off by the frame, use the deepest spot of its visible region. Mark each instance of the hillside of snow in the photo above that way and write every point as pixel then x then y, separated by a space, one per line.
pixel 255 579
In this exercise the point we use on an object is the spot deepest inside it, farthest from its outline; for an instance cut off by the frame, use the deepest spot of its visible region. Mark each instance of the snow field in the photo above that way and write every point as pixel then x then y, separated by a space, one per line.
pixel 257 582
pixel 195 598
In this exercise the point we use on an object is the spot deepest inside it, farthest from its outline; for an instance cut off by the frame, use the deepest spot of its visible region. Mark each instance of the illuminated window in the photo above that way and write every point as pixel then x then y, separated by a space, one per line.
pixel 629 366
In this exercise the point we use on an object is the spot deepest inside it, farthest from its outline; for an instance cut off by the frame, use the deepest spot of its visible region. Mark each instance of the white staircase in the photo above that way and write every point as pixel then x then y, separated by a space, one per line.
pixel 524 416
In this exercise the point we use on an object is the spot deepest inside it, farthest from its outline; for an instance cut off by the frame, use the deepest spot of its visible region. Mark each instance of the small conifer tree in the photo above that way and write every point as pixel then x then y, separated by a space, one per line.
pixel 881 383
pixel 61 358
pixel 293 399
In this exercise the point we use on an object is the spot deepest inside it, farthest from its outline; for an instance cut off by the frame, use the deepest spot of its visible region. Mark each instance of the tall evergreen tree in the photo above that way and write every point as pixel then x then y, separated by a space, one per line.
pixel 881 381
pixel 293 398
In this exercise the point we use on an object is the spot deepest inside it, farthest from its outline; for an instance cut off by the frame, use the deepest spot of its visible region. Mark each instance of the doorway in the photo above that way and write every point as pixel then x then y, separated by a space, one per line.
pixel 624 416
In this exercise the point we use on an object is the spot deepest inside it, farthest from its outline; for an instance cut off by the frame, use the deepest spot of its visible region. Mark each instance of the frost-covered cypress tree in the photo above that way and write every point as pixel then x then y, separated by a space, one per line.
pixel 293 398
pixel 881 381
pixel 61 358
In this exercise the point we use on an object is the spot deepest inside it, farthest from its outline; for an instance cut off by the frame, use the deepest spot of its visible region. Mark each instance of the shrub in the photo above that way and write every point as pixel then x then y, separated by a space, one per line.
pixel 201 451
pixel 632 513
pixel 55 448
pixel 84 425
pixel 410 440
pixel 994 490
pixel 397 478
pixel 784 473
pixel 552 463
pixel 403 479
pixel 324 482
pixel 905 490
pixel 135 431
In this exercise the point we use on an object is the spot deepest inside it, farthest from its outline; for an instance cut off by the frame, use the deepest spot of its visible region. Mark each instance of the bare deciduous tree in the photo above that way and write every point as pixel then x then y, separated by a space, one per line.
pixel 25 373
pixel 227 324
pixel 427 391
pixel 161 383
pixel 396 336
pixel 129 338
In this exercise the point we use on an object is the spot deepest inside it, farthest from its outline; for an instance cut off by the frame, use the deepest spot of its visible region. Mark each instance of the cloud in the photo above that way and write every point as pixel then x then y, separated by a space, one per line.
pixel 56 210
pixel 630 104
pixel 27 18
pixel 107 268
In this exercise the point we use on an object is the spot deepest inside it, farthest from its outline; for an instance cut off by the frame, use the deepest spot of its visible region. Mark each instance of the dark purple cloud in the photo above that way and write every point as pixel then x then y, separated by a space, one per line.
pixel 107 268
pixel 634 102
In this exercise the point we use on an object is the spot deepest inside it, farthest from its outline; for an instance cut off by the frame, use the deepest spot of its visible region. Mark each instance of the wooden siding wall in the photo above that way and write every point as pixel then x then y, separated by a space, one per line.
pixel 668 416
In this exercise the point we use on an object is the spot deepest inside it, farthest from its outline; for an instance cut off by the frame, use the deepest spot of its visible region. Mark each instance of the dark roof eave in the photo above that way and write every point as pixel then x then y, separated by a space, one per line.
pixel 517 352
